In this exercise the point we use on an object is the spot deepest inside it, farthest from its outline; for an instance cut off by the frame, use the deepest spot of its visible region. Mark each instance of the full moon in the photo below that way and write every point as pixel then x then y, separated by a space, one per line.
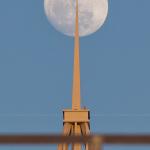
pixel 61 14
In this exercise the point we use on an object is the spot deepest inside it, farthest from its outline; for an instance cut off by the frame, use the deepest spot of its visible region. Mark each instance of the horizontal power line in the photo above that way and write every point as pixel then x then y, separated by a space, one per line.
pixel 59 115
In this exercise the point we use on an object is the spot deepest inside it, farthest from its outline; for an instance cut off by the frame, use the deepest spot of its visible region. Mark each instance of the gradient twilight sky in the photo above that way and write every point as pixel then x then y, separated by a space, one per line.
pixel 36 71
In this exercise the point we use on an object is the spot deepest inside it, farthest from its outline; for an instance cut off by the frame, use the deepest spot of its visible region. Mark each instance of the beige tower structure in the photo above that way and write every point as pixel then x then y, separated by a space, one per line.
pixel 76 121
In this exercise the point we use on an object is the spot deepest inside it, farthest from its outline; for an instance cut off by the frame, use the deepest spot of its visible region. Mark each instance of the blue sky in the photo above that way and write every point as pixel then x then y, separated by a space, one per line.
pixel 36 70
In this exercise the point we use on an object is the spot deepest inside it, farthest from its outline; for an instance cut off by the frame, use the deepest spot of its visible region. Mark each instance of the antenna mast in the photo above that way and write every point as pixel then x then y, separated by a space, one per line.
pixel 76 121
pixel 76 97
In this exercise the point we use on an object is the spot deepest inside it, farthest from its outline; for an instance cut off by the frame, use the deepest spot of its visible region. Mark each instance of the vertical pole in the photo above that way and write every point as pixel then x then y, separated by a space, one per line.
pixel 76 72
pixel 77 132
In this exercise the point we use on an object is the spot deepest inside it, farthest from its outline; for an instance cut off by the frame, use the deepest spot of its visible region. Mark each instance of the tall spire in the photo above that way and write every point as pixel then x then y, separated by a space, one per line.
pixel 76 72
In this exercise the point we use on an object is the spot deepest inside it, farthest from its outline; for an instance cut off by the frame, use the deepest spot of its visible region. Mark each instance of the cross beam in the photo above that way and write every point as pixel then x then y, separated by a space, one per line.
pixel 55 139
